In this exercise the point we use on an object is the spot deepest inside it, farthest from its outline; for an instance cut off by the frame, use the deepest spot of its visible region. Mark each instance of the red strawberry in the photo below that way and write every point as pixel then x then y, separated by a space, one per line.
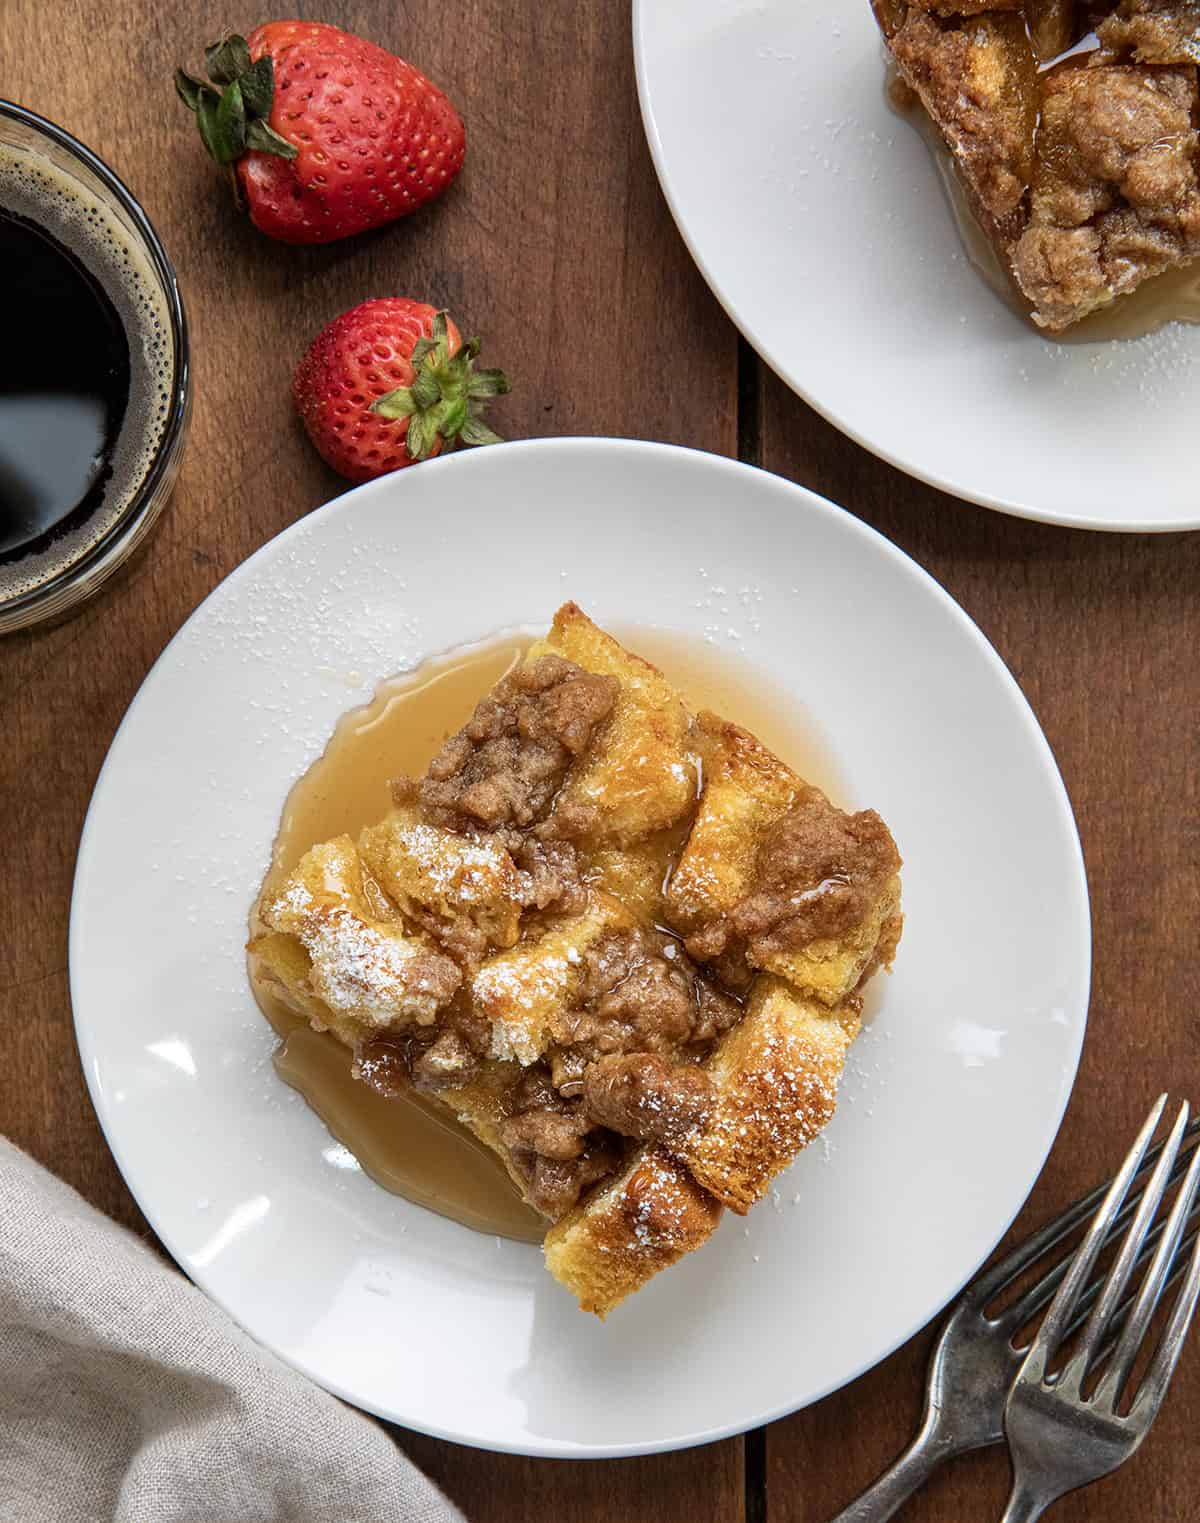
pixel 330 134
pixel 388 383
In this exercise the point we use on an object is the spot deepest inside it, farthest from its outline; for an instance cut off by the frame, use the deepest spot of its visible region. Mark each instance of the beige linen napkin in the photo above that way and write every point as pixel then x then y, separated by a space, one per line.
pixel 126 1395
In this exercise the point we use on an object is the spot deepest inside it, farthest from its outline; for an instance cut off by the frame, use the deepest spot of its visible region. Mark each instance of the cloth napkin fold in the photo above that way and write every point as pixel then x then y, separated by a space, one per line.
pixel 126 1395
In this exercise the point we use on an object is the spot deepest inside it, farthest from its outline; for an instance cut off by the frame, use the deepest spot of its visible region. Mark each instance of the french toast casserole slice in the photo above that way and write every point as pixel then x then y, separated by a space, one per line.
pixel 1074 131
pixel 624 945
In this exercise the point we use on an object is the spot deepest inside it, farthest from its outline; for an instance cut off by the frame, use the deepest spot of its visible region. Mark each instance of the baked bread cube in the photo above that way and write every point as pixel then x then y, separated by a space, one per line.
pixel 775 877
pixel 629 1229
pixel 368 969
pixel 746 789
pixel 774 1081
pixel 636 875
pixel 283 969
pixel 638 775
pixel 975 74
pixel 466 891
pixel 521 992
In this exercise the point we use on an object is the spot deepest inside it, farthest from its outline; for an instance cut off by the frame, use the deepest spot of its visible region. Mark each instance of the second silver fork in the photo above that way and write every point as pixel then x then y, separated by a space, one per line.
pixel 975 1360
pixel 1061 1434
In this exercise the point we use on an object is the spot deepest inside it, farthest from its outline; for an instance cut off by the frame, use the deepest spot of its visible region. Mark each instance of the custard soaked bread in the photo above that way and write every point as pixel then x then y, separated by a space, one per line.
pixel 623 945
pixel 763 881
pixel 1083 171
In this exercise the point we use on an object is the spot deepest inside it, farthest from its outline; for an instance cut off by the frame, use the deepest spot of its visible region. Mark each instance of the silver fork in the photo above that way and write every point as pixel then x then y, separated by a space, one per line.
pixel 1059 1439
pixel 974 1361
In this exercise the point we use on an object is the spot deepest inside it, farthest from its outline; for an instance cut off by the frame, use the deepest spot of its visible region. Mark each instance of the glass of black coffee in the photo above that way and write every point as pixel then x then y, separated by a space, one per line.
pixel 94 392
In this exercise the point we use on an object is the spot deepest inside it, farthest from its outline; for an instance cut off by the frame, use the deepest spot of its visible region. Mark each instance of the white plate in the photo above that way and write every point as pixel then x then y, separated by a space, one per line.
pixel 816 216
pixel 954 1093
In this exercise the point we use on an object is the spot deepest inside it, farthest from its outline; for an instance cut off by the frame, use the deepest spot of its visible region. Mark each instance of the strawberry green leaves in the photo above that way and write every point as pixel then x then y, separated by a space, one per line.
pixel 258 88
pixel 232 111
pixel 228 132
pixel 447 397
pixel 227 59
pixel 190 89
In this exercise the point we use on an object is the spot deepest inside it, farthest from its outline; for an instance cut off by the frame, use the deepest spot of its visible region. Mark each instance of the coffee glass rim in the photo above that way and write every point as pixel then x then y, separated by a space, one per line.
pixel 122 537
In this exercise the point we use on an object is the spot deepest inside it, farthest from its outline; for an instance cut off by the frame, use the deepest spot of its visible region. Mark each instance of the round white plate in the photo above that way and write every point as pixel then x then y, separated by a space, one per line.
pixel 816 216
pixel 953 1094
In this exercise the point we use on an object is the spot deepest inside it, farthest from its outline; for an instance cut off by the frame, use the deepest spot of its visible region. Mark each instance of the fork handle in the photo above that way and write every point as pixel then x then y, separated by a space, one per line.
pixel 895 1485
pixel 1024 1505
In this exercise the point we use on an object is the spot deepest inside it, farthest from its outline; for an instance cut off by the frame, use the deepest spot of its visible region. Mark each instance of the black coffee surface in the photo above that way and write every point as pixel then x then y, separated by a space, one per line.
pixel 64 388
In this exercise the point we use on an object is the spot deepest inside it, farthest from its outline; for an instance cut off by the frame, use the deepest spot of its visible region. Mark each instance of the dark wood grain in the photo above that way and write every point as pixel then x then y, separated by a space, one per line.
pixel 1102 632
pixel 696 1485
pixel 556 246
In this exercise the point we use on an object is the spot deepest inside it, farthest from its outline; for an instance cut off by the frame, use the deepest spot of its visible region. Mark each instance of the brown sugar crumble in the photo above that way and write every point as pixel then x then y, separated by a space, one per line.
pixel 815 876
pixel 506 765
pixel 1153 31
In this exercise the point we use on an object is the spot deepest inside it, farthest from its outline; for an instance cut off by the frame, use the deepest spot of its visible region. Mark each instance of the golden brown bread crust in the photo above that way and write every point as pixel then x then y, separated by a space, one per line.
pixel 638 776
pixel 976 78
pixel 465 893
pixel 746 789
pixel 281 966
pixel 776 1076
pixel 636 874
pixel 628 1230
pixel 747 793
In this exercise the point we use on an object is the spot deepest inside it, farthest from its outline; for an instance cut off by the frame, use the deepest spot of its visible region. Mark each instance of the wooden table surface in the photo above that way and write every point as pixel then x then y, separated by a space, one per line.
pixel 558 247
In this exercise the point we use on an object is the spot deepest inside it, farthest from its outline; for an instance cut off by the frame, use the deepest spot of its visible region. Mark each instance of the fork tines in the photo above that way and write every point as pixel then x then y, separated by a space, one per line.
pixel 1100 1326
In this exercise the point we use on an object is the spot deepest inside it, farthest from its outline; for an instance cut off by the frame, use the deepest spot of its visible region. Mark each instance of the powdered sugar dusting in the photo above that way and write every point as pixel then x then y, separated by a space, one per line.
pixel 355 968
pixel 784 1094
pixel 655 1207
pixel 519 993
pixel 456 869
pixel 361 967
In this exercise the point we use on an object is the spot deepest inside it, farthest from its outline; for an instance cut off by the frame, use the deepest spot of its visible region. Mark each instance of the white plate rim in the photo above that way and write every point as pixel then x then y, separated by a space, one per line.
pixel 558 1448
pixel 1012 507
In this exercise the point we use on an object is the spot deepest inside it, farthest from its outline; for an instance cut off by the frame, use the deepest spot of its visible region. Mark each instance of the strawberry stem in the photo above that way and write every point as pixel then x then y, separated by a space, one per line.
pixel 447 397
pixel 232 111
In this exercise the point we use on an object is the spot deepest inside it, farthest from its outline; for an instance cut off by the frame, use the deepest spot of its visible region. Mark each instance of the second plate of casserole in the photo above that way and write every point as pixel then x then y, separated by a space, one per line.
pixel 818 215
